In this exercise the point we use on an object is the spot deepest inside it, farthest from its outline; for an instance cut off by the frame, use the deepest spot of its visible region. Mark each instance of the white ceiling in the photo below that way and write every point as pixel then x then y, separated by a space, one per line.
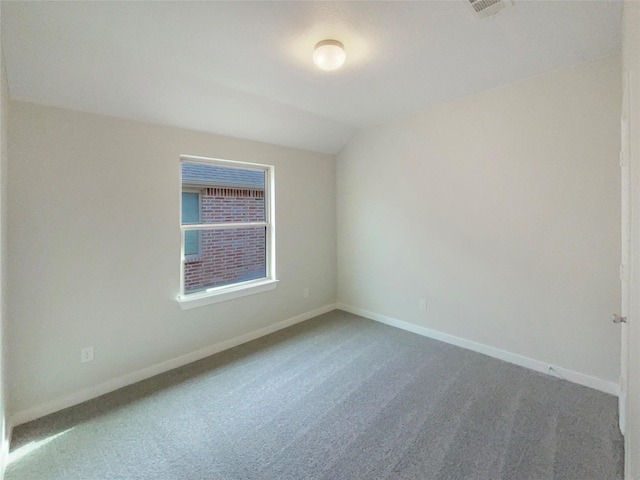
pixel 244 69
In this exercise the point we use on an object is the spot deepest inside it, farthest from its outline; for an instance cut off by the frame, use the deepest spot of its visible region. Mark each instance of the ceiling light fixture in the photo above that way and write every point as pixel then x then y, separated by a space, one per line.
pixel 329 54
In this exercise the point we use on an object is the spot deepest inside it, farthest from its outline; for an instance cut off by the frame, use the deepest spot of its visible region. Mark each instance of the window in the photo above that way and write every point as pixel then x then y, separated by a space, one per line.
pixel 227 230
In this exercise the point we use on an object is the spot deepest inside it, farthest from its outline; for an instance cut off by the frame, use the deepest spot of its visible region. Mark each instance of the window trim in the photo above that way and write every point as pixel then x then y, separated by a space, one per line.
pixel 240 289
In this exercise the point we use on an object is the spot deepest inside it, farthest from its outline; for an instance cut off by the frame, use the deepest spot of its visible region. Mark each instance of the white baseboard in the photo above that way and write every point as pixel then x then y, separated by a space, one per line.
pixel 575 377
pixel 130 378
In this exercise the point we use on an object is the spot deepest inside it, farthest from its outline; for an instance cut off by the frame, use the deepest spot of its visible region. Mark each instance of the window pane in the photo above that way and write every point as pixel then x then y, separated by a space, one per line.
pixel 228 194
pixel 191 242
pixel 190 207
pixel 228 256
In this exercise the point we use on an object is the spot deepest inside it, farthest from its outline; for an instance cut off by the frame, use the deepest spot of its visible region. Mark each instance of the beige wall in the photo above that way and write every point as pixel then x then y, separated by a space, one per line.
pixel 631 69
pixel 502 210
pixel 4 108
pixel 94 248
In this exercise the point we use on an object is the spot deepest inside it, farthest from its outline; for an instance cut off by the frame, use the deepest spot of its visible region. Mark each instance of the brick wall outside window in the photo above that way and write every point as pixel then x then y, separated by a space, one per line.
pixel 230 255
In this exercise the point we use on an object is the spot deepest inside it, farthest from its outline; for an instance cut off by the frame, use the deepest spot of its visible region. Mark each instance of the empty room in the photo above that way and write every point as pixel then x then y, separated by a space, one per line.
pixel 320 240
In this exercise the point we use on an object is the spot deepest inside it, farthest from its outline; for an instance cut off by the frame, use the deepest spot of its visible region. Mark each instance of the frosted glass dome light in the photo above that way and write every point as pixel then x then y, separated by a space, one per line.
pixel 329 54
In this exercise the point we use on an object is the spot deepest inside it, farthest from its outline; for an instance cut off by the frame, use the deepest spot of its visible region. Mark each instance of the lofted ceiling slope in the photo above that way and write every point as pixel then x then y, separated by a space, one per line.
pixel 244 69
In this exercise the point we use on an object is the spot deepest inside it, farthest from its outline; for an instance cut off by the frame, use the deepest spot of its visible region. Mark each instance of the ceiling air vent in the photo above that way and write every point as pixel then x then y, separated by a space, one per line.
pixel 486 8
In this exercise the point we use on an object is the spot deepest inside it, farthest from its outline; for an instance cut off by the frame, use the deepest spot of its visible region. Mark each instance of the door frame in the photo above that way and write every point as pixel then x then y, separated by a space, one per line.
pixel 625 248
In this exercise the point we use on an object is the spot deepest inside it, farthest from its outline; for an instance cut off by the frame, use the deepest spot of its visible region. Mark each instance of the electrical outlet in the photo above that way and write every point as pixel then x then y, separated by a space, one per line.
pixel 305 293
pixel 422 304
pixel 86 355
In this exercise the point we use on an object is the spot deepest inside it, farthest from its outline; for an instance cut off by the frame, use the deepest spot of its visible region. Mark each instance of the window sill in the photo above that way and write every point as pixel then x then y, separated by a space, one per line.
pixel 194 300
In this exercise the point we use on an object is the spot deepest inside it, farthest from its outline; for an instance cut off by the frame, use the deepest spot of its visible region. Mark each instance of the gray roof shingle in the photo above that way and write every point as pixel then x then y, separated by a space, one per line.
pixel 200 173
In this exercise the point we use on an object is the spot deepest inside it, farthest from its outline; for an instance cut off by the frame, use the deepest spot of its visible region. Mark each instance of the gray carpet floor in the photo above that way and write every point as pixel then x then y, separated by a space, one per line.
pixel 336 397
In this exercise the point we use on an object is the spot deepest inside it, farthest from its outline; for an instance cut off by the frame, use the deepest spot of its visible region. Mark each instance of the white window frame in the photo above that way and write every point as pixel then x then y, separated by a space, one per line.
pixel 241 289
